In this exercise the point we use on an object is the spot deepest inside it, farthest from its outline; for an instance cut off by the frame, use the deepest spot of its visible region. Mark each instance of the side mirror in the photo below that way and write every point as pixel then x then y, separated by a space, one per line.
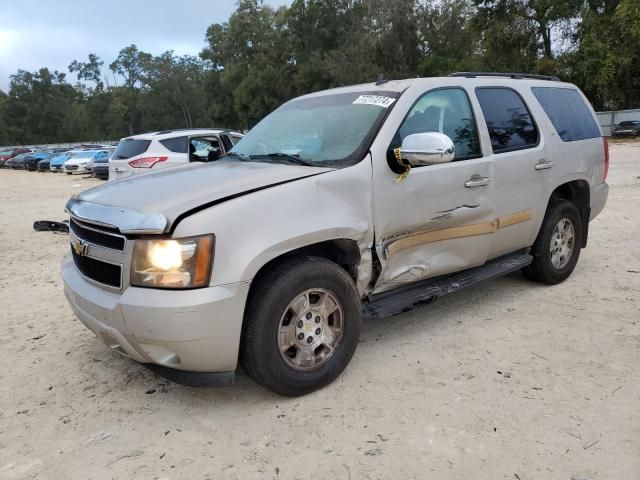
pixel 427 148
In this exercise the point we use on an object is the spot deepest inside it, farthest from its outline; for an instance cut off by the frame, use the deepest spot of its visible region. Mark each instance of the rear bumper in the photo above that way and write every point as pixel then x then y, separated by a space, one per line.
pixel 599 195
pixel 188 330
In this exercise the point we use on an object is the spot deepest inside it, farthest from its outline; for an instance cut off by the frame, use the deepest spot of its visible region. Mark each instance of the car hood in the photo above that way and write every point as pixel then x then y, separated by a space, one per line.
pixel 78 161
pixel 175 191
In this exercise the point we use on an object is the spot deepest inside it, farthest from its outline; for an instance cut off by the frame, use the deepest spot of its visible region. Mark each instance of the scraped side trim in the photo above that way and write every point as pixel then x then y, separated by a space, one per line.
pixel 422 238
pixel 515 218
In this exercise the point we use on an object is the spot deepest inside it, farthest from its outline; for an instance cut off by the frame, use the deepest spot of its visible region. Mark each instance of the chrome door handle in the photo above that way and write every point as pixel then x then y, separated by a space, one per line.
pixel 477 181
pixel 544 164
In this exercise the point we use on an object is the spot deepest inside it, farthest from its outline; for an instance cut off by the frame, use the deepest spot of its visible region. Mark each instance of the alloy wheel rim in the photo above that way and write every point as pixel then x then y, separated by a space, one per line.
pixel 562 243
pixel 310 329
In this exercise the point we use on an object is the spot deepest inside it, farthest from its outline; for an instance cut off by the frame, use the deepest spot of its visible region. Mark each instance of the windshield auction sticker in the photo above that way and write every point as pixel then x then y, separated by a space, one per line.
pixel 378 100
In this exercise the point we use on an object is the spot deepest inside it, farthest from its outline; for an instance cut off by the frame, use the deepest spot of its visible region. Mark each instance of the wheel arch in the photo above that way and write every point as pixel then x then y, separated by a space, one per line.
pixel 577 192
pixel 343 251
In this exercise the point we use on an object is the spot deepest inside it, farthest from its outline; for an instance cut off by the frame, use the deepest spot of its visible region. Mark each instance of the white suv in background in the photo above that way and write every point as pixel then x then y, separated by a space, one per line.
pixel 169 148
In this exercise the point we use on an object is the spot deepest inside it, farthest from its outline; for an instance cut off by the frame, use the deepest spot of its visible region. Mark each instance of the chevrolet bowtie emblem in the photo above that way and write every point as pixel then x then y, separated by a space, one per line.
pixel 79 247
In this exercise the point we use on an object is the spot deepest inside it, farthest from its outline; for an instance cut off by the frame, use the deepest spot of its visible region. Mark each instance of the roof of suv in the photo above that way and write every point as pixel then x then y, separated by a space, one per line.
pixel 161 135
pixel 463 78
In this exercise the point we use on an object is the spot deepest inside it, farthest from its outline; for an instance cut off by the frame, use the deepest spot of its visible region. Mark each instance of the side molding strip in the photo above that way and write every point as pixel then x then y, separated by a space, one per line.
pixel 422 238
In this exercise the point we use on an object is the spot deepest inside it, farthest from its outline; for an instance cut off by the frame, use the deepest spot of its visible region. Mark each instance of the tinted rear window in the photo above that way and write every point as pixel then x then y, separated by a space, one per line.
pixel 508 120
pixel 568 112
pixel 128 148
pixel 177 144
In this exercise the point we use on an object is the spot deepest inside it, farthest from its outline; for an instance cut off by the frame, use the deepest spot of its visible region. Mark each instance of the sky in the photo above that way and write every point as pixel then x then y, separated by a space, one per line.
pixel 53 33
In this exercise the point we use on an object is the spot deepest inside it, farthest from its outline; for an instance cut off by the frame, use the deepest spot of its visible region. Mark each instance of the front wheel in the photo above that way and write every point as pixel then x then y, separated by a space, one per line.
pixel 557 248
pixel 302 326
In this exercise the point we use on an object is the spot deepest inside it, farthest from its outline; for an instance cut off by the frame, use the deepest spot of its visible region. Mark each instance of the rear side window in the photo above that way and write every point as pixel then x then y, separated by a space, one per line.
pixel 130 147
pixel 566 109
pixel 236 138
pixel 508 119
pixel 177 144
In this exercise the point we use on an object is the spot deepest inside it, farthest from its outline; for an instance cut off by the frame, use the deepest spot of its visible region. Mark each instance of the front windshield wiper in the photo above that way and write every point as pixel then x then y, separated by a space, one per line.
pixel 293 159
pixel 241 156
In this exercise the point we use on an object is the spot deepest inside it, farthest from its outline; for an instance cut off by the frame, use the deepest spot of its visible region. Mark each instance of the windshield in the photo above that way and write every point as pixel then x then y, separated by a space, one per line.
pixel 329 130
pixel 629 123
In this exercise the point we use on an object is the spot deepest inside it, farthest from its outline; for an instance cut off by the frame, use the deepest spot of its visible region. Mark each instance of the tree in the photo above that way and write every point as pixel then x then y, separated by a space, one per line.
pixel 177 82
pixel 89 71
pixel 37 105
pixel 131 65
pixel 605 61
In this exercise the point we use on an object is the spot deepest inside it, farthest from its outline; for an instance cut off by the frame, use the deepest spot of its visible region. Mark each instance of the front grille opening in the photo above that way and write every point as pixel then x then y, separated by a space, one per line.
pixel 101 272
pixel 99 238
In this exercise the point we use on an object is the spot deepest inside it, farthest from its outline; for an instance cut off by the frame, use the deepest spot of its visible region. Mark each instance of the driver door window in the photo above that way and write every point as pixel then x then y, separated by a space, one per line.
pixel 446 111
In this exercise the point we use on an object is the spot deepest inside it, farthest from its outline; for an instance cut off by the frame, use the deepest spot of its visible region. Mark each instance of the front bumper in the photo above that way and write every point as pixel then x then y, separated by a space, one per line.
pixel 81 168
pixel 101 172
pixel 56 168
pixel 599 195
pixel 188 330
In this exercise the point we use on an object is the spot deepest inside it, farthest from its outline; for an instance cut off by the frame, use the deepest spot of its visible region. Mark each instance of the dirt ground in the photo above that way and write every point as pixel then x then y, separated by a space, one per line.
pixel 509 380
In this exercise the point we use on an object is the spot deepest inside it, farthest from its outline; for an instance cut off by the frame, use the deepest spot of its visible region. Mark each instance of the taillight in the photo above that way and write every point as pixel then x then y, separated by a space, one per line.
pixel 147 162
pixel 606 158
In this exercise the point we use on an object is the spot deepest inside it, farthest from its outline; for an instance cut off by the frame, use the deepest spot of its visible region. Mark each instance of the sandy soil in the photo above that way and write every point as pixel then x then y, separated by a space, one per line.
pixel 509 380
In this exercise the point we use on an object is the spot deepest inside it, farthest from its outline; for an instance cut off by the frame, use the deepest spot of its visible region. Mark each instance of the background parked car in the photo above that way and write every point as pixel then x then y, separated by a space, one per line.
pixel 100 167
pixel 80 161
pixel 169 148
pixel 56 164
pixel 17 162
pixel 628 128
pixel 100 159
pixel 9 153
pixel 32 159
pixel 45 163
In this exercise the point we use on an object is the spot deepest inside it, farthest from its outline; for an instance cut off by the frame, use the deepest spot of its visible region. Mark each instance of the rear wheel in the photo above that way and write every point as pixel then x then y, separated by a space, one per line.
pixel 557 248
pixel 302 326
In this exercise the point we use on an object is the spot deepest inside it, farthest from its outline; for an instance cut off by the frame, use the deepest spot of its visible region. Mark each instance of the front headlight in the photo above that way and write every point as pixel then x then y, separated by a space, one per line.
pixel 183 263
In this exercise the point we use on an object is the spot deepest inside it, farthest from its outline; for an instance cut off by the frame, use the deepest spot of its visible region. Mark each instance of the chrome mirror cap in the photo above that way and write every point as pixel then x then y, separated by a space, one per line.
pixel 427 148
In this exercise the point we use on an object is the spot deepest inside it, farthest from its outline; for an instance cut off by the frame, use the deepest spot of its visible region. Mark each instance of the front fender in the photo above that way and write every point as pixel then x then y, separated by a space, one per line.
pixel 253 229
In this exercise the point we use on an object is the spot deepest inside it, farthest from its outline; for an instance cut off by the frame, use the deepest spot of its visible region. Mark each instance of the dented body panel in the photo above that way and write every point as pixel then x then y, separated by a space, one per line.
pixel 264 225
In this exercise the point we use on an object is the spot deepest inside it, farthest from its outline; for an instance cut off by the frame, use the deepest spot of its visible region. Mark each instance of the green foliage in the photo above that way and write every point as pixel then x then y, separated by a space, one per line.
pixel 263 56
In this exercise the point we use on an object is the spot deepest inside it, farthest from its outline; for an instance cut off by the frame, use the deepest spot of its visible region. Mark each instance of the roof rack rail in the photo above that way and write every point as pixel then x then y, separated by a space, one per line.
pixel 164 132
pixel 533 76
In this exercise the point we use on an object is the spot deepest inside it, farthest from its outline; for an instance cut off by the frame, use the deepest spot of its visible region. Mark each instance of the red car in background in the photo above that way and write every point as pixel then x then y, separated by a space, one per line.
pixel 9 153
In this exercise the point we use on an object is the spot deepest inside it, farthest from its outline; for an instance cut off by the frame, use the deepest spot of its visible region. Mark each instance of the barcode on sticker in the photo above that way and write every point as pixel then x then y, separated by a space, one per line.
pixel 378 100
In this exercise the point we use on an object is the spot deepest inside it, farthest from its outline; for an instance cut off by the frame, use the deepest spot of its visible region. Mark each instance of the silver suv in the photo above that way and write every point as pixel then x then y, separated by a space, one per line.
pixel 359 201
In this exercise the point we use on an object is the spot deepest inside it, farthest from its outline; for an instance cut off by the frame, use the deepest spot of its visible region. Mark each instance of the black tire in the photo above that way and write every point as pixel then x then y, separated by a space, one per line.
pixel 268 302
pixel 542 269
pixel 69 173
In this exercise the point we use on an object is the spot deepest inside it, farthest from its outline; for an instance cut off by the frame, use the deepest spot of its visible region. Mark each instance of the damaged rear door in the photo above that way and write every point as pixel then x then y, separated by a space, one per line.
pixel 440 218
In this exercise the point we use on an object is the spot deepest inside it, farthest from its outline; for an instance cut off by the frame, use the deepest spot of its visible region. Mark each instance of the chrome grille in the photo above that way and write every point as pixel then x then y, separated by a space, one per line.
pixel 99 271
pixel 99 253
pixel 98 237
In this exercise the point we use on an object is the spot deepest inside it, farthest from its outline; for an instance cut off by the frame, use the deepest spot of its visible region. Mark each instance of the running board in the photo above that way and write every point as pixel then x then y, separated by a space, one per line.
pixel 403 299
